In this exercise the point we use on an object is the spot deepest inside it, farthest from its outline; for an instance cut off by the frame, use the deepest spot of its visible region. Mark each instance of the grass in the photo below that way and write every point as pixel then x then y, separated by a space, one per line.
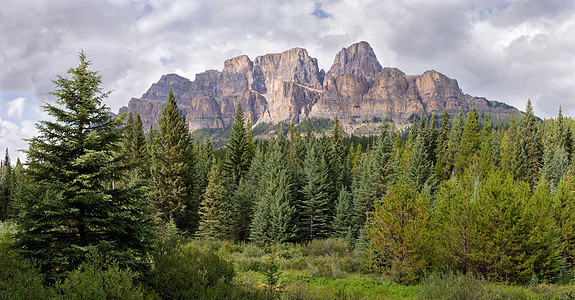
pixel 329 269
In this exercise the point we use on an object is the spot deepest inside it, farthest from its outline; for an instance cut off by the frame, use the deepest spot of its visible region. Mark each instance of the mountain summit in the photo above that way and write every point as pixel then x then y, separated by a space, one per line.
pixel 289 86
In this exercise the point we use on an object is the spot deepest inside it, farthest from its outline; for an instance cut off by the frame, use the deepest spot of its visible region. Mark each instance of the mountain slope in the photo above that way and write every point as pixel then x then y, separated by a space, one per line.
pixel 289 86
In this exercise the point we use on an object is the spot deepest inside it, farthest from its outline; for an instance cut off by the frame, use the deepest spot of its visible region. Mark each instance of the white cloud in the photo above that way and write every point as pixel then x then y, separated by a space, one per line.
pixel 16 107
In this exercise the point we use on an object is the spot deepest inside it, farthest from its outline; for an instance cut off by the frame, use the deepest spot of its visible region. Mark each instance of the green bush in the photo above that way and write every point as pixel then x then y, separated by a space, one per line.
pixel 188 271
pixel 19 278
pixel 333 247
pixel 252 250
pixel 455 286
pixel 97 279
pixel 250 264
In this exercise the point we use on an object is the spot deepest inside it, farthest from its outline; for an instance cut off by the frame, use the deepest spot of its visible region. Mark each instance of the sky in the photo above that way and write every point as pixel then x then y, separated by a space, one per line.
pixel 507 51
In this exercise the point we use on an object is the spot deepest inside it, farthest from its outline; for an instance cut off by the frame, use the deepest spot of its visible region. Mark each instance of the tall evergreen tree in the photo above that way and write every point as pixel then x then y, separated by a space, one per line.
pixel 530 138
pixel 441 167
pixel 215 211
pixel 71 205
pixel 134 145
pixel 454 141
pixel 470 142
pixel 342 225
pixel 508 144
pixel 275 217
pixel 172 169
pixel 316 210
pixel 239 152
pixel 6 187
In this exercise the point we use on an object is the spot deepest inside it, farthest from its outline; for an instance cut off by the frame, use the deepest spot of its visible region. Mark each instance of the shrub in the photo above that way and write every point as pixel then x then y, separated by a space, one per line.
pixel 252 250
pixel 97 279
pixel 335 247
pixel 187 271
pixel 19 278
pixel 455 286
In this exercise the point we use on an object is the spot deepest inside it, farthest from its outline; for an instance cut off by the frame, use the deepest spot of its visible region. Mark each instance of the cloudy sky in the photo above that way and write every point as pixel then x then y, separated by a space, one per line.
pixel 507 51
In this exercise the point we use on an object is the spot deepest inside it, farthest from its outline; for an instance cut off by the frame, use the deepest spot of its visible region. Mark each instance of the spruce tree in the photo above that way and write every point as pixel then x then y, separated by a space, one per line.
pixel 6 187
pixel 239 152
pixel 70 205
pixel 172 169
pixel 316 206
pixel 134 145
pixel 530 139
pixel 275 217
pixel 441 167
pixel 215 211
pixel 342 225
pixel 470 143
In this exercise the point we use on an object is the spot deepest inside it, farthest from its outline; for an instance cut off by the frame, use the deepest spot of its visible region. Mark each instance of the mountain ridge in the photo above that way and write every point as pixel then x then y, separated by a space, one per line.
pixel 290 87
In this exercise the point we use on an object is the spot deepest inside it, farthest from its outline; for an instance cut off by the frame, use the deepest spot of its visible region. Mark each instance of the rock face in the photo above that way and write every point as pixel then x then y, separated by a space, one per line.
pixel 289 86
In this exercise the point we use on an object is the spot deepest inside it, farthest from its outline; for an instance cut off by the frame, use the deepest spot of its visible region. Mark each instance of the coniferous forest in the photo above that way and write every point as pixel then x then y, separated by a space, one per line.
pixel 451 207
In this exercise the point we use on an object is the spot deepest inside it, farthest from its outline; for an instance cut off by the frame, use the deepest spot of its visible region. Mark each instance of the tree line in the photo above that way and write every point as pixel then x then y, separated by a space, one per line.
pixel 455 194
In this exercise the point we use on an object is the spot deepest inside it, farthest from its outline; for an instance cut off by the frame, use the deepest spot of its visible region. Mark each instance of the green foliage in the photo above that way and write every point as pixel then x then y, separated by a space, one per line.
pixel 470 142
pixel 215 210
pixel 172 169
pixel 70 203
pixel 240 152
pixel 100 279
pixel 399 231
pixel 185 271
pixel 275 216
pixel 6 187
pixel 455 286
pixel 20 278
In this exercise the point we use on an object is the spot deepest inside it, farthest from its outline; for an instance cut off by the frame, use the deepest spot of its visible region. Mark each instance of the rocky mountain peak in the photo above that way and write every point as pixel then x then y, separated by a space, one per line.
pixel 358 59
pixel 289 86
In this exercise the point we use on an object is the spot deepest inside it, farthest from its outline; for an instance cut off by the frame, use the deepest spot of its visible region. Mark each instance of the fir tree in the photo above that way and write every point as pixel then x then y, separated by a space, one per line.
pixel 6 187
pixel 172 169
pixel 275 216
pixel 531 141
pixel 215 211
pixel 71 207
pixel 399 231
pixel 470 142
pixel 342 225
pixel 455 136
pixel 239 152
pixel 316 207
pixel 441 167
pixel 134 145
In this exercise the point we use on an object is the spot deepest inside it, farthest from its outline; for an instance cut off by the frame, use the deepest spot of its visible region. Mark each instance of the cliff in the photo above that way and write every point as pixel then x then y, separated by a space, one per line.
pixel 289 86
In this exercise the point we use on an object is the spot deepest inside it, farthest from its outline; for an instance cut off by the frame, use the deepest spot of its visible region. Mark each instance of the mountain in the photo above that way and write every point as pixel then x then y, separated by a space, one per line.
pixel 289 86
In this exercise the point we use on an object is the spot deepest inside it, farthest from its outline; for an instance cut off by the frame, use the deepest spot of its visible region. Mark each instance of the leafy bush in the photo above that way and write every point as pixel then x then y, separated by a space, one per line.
pixel 188 271
pixel 19 278
pixel 455 286
pixel 252 250
pixel 335 247
pixel 97 279
pixel 250 264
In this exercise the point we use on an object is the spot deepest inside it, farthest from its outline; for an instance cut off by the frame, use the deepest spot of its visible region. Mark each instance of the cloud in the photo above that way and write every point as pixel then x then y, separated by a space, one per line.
pixel 504 50
pixel 16 107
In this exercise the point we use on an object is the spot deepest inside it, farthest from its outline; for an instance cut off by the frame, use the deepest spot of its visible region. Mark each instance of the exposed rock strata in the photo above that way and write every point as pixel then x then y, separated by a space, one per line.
pixel 289 86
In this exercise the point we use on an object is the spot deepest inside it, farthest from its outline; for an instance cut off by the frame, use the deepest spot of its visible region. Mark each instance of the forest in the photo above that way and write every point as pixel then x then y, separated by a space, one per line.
pixel 451 207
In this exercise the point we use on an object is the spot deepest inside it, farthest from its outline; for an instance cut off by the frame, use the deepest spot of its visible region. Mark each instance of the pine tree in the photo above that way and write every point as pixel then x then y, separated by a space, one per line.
pixel 172 169
pixel 530 139
pixel 420 170
pixel 316 206
pixel 239 152
pixel 6 187
pixel 215 211
pixel 454 141
pixel 71 206
pixel 399 231
pixel 342 225
pixel 508 144
pixel 134 145
pixel 337 145
pixel 441 167
pixel 275 217
pixel 470 142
